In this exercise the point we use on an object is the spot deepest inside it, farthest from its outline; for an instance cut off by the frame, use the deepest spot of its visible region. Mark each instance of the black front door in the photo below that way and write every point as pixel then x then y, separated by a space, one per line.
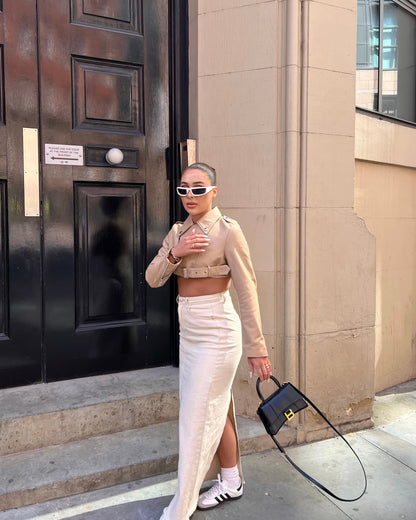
pixel 78 78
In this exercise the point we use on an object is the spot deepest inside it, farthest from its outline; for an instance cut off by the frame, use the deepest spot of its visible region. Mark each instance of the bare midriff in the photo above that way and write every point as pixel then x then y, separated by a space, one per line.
pixel 189 287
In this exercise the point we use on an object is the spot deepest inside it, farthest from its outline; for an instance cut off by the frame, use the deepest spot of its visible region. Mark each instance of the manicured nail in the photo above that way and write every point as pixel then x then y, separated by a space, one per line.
pixel 251 374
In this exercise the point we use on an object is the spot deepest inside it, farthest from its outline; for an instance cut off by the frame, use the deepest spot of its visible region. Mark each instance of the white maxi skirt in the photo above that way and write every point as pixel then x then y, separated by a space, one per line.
pixel 210 351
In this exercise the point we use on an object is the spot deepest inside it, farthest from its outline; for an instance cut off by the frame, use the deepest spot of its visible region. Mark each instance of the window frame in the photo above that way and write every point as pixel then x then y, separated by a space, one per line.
pixel 410 6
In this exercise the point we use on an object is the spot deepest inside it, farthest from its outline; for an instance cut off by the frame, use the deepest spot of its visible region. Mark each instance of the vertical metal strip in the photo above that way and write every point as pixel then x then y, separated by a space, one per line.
pixel 380 56
pixel 31 171
pixel 187 153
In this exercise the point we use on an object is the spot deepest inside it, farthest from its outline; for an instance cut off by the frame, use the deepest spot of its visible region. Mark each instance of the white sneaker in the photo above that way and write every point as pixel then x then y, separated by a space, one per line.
pixel 219 493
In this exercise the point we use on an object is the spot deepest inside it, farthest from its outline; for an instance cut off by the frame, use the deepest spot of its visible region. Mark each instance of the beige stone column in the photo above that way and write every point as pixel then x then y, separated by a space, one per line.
pixel 272 87
pixel 337 252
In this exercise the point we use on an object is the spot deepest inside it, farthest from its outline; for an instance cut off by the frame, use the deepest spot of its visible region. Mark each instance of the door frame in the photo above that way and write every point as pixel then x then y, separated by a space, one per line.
pixel 179 124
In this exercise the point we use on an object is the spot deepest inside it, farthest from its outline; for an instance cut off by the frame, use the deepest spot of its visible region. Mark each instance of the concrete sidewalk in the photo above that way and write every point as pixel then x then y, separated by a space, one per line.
pixel 274 489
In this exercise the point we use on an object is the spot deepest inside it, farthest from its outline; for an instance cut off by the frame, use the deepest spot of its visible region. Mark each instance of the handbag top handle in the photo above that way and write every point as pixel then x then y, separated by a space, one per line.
pixel 258 386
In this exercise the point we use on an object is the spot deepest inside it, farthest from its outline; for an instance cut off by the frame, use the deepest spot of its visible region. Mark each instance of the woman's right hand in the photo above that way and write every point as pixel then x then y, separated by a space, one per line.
pixel 191 244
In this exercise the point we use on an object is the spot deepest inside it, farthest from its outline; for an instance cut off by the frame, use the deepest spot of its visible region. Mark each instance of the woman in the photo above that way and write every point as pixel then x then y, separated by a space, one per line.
pixel 206 252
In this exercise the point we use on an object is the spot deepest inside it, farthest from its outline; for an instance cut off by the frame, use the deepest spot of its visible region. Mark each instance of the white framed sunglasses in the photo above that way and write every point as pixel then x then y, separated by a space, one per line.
pixel 196 191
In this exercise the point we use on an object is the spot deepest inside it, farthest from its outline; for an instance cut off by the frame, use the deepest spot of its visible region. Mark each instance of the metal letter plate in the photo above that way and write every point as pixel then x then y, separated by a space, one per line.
pixel 31 171
pixel 187 153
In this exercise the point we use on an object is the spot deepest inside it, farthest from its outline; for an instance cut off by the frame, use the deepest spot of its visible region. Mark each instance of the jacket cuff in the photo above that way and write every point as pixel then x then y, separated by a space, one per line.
pixel 168 270
pixel 256 351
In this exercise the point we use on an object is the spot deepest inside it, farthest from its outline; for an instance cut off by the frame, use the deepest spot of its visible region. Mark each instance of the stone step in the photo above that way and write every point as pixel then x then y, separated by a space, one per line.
pixel 56 471
pixel 42 415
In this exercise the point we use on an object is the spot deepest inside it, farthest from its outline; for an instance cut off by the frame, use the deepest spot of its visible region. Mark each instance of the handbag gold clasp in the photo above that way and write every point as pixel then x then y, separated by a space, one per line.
pixel 289 414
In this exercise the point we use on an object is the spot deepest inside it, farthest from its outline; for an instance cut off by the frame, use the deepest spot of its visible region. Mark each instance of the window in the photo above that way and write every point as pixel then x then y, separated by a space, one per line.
pixel 386 57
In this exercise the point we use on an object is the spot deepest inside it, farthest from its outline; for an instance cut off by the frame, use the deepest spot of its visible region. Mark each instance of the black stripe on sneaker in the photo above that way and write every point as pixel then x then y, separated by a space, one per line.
pixel 227 496
pixel 218 500
pixel 241 485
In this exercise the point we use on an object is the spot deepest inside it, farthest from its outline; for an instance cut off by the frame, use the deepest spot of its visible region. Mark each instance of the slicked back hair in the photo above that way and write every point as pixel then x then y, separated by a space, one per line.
pixel 206 168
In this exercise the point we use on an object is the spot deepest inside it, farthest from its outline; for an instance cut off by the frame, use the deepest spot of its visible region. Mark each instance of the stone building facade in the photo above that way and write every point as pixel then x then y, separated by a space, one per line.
pixel 324 192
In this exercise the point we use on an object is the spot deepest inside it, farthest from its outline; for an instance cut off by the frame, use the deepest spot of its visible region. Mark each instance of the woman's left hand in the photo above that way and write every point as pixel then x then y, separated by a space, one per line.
pixel 261 365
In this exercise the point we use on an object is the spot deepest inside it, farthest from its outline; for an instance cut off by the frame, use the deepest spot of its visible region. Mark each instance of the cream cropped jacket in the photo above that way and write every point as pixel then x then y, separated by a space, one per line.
pixel 227 256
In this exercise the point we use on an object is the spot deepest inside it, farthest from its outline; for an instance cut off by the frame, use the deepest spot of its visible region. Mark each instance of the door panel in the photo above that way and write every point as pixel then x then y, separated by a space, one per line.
pixel 20 341
pixel 91 74
pixel 4 269
pixel 107 96
pixel 109 267
pixel 112 14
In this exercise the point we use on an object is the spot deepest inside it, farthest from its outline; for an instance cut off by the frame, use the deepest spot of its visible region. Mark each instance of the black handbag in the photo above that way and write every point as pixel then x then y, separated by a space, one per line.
pixel 281 406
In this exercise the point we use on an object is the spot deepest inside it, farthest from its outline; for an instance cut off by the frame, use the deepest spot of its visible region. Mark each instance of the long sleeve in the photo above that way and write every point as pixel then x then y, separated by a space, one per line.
pixel 160 268
pixel 242 273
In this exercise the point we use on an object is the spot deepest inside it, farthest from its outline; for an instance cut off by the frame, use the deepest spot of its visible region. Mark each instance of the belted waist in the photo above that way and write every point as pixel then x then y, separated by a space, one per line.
pixel 215 271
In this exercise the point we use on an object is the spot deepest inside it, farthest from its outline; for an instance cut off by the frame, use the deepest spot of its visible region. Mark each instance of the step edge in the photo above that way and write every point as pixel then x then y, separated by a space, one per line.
pixel 70 394
pixel 165 463
pixel 62 427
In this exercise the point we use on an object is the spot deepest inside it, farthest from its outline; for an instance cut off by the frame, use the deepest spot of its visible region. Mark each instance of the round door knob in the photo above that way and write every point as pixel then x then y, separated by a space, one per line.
pixel 114 156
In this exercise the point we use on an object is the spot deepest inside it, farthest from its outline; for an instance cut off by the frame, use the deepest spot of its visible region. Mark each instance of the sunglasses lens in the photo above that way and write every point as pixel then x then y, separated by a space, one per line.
pixel 198 191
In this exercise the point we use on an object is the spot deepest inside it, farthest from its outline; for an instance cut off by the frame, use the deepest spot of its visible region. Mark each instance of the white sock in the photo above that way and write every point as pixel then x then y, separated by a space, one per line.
pixel 232 476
